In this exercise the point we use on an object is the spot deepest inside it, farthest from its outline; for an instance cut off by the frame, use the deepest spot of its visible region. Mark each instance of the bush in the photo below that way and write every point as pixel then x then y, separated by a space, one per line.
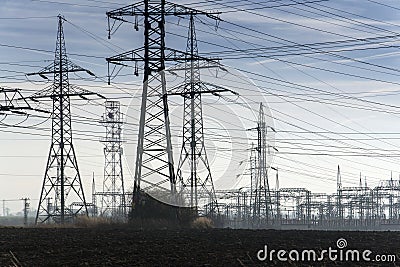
pixel 202 223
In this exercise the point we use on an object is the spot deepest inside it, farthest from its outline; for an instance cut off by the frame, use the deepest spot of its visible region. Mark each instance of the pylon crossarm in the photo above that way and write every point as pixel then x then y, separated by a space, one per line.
pixel 71 67
pixel 172 55
pixel 13 101
pixel 129 10
pixel 176 10
pixel 171 9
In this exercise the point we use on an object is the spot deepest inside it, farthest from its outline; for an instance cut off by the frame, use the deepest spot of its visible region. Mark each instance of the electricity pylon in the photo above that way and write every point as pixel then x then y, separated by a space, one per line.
pixel 194 174
pixel 154 158
pixel 62 181
pixel 113 195
pixel 262 198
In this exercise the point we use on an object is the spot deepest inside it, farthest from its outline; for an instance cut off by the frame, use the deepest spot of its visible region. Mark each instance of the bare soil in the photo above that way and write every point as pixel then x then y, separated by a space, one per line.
pixel 125 246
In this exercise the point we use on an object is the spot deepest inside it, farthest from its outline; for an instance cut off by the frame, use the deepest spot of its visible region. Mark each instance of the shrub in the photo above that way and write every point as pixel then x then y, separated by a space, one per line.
pixel 202 223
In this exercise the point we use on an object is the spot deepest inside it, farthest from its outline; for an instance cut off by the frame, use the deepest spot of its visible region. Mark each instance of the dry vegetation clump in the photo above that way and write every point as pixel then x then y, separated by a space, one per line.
pixel 83 222
pixel 202 223
pixel 90 222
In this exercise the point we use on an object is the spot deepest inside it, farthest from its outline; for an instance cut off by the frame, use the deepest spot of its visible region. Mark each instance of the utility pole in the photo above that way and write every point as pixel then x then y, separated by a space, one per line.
pixel 26 210
pixel 154 158
pixel 62 179
pixel 277 196
pixel 94 202
pixel 113 195
pixel 339 205
pixel 254 186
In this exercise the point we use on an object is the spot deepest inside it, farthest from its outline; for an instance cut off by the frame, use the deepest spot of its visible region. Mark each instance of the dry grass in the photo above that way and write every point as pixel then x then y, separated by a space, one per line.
pixel 103 222
pixel 83 222
pixel 90 222
pixel 202 223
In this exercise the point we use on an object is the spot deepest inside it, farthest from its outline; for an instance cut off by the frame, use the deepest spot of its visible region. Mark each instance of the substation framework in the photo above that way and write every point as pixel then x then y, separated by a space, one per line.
pixel 352 208
pixel 359 208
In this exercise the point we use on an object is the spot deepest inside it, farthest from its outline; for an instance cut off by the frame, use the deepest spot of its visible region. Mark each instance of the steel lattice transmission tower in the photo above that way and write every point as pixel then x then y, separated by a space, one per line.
pixel 339 204
pixel 262 197
pixel 194 174
pixel 113 195
pixel 62 182
pixel 154 159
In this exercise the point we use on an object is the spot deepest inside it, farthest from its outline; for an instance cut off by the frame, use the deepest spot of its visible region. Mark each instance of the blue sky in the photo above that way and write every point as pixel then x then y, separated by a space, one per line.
pixel 333 103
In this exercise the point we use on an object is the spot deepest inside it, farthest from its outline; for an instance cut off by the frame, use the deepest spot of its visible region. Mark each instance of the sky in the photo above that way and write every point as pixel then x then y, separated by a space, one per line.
pixel 327 70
